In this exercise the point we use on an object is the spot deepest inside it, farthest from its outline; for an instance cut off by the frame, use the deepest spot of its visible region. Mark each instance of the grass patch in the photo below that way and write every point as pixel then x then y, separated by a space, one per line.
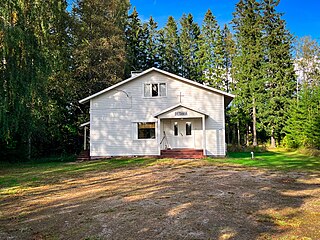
pixel 274 159
pixel 18 177
pixel 279 220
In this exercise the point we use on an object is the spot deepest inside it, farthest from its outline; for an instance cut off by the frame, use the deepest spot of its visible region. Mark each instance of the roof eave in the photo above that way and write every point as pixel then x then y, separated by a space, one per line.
pixel 176 106
pixel 85 100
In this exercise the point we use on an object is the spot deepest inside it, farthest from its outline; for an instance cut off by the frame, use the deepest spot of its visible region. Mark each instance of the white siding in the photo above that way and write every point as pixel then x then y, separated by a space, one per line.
pixel 114 113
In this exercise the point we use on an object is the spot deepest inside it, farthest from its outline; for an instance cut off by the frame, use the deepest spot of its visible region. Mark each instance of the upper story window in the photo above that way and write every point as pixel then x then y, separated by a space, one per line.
pixel 155 89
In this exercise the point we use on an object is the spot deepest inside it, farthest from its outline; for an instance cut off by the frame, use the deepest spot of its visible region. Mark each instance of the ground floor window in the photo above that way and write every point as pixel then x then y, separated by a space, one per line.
pixel 176 130
pixel 146 130
pixel 188 128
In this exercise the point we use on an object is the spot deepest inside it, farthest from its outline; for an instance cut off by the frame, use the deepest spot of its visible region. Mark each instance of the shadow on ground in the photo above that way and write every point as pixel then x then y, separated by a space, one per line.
pixel 180 199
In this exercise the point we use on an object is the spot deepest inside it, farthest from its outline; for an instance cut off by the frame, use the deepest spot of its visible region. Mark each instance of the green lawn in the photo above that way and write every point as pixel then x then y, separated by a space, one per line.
pixel 83 192
pixel 19 177
pixel 276 159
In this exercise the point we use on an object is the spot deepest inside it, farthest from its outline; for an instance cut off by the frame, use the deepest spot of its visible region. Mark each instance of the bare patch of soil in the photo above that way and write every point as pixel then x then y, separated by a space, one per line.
pixel 181 199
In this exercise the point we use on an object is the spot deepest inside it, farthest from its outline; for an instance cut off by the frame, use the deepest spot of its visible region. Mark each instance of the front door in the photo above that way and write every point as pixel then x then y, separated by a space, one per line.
pixel 183 134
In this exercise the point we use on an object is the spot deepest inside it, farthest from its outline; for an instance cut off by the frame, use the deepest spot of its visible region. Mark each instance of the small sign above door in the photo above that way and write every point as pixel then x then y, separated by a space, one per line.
pixel 181 113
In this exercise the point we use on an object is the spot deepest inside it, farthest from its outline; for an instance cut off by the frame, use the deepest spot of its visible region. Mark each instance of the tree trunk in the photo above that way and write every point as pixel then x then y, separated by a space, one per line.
pixel 233 137
pixel 254 122
pixel 29 147
pixel 273 141
pixel 238 131
pixel 228 134
pixel 247 137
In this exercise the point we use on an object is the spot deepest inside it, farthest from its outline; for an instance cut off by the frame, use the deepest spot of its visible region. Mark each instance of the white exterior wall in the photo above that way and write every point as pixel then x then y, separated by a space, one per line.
pixel 114 114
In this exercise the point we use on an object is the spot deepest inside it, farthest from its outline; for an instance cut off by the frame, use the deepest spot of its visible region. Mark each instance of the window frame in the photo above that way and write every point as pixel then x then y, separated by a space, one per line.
pixel 176 129
pixel 187 132
pixel 137 130
pixel 150 93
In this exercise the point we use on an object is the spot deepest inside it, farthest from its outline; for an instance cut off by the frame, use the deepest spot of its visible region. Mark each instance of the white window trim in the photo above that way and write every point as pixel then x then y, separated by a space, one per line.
pixel 135 130
pixel 191 130
pixel 158 88
pixel 173 132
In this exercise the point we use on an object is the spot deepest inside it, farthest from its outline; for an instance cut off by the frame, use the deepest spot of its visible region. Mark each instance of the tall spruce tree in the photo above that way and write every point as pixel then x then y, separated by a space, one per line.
pixel 302 127
pixel 136 42
pixel 278 71
pixel 247 24
pixel 190 32
pixel 229 49
pixel 152 41
pixel 206 43
pixel 218 79
pixel 303 124
pixel 170 50
pixel 99 50
pixel 232 114
pixel 147 56
pixel 206 53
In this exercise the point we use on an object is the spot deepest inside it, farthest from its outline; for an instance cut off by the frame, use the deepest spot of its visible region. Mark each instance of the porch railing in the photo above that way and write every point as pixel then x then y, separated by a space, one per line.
pixel 164 141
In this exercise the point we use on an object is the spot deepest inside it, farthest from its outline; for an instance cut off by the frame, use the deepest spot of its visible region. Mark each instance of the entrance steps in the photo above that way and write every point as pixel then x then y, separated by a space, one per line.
pixel 183 153
pixel 84 155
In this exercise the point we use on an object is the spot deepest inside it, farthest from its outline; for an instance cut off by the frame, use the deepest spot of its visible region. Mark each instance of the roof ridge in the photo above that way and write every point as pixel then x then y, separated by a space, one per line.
pixel 84 100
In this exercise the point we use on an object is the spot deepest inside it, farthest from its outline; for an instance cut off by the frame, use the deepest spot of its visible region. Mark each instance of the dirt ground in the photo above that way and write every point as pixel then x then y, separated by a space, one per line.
pixel 181 199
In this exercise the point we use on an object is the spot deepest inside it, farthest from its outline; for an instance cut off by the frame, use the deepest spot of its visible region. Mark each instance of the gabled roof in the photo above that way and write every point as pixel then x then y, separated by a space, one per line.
pixel 176 106
pixel 228 96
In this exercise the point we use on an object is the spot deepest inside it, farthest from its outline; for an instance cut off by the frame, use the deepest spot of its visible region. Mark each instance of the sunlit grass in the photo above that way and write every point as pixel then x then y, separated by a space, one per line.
pixel 276 159
pixel 15 178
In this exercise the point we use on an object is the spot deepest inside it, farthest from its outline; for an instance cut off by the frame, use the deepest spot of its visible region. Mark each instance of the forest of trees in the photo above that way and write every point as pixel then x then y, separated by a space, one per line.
pixel 52 57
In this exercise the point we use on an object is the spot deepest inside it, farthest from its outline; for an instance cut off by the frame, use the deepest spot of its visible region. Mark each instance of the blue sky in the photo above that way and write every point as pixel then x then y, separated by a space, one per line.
pixel 302 16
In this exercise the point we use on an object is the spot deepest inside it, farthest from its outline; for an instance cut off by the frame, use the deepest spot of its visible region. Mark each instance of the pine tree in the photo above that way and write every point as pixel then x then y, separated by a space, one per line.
pixel 278 71
pixel 248 61
pixel 190 32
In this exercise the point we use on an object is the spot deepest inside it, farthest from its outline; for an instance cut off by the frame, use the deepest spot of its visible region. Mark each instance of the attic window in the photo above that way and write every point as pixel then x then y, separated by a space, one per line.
pixel 155 89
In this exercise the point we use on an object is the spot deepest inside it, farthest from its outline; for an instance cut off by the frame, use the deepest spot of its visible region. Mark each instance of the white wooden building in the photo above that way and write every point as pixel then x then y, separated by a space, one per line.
pixel 156 110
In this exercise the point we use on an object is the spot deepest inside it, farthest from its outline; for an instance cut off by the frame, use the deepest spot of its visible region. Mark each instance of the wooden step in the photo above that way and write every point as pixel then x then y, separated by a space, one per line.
pixel 182 156
pixel 83 155
pixel 182 153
